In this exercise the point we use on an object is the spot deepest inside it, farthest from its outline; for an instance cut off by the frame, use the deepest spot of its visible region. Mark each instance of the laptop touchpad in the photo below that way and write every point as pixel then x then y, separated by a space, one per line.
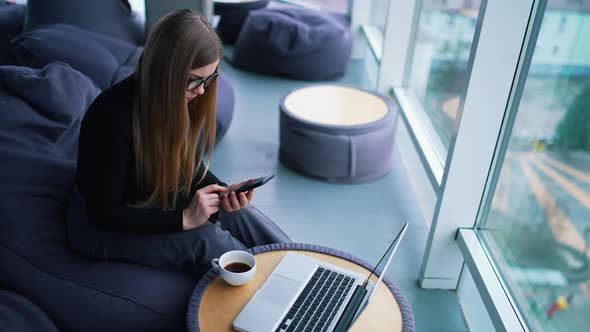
pixel 279 290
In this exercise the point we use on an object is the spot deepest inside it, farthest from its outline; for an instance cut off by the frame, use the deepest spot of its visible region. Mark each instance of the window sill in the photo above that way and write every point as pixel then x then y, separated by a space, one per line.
pixel 423 135
pixel 499 305
pixel 374 37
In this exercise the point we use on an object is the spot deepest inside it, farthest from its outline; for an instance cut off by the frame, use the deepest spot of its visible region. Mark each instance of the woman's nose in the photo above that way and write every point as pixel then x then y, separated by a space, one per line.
pixel 201 89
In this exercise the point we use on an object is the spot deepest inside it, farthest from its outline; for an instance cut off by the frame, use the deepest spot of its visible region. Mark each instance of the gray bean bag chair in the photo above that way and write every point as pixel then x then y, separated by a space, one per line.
pixel 11 25
pixel 225 106
pixel 337 133
pixel 106 60
pixel 299 43
pixel 232 16
pixel 19 314
pixel 39 127
pixel 113 18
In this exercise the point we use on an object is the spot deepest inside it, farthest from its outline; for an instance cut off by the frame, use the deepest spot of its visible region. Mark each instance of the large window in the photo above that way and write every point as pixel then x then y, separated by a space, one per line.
pixel 538 223
pixel 438 73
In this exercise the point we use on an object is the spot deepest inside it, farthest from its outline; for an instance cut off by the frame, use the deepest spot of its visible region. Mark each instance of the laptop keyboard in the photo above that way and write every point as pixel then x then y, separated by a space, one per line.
pixel 316 307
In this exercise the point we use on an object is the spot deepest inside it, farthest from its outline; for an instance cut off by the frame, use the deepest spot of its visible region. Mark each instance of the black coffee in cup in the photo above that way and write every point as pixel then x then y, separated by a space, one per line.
pixel 237 267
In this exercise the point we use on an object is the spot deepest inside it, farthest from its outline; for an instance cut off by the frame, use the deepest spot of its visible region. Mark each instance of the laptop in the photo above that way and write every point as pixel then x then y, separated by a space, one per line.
pixel 306 294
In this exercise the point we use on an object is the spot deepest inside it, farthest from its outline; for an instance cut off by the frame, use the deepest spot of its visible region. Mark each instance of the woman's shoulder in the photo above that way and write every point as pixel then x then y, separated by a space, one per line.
pixel 118 96
pixel 113 107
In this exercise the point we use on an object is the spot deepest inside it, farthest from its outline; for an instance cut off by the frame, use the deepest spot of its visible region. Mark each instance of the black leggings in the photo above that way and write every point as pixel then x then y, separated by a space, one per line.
pixel 190 250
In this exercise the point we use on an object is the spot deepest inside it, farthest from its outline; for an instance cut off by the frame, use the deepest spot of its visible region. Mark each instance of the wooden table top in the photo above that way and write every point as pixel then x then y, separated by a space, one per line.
pixel 221 303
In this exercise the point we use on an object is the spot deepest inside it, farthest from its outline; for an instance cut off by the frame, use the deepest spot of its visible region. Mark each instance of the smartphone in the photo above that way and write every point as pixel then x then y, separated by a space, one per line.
pixel 254 183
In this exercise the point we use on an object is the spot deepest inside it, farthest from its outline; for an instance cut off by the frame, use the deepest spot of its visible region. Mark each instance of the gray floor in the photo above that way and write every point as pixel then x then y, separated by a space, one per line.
pixel 360 219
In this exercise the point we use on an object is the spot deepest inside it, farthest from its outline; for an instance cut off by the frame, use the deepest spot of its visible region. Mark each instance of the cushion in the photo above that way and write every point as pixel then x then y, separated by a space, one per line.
pixel 39 127
pixel 112 18
pixel 299 43
pixel 102 58
pixel 11 24
pixel 19 314
pixel 233 14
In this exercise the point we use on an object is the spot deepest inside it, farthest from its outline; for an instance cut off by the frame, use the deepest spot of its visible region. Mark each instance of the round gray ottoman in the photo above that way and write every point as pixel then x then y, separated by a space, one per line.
pixel 337 133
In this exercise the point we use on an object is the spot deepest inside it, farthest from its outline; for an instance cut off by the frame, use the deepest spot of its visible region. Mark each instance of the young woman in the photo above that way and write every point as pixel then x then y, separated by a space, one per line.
pixel 141 164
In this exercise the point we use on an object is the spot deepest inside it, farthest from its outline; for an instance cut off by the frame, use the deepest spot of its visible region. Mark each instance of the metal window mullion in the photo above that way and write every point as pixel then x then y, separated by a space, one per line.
pixel 495 57
pixel 513 104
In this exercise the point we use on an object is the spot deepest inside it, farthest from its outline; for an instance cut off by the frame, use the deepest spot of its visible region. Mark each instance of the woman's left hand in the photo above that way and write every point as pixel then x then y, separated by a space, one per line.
pixel 232 201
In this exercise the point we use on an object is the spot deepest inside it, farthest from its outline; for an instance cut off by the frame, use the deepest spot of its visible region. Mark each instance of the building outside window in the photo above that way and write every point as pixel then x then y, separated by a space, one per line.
pixel 438 73
pixel 537 226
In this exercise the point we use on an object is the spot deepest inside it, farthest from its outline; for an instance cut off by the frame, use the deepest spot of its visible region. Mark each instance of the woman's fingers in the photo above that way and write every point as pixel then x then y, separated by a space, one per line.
pixel 212 188
pixel 214 201
pixel 243 200
pixel 232 202
pixel 235 204
pixel 225 203
pixel 250 195
pixel 213 209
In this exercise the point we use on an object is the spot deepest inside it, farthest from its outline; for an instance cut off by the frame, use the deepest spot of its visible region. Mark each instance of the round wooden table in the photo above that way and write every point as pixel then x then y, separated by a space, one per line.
pixel 215 304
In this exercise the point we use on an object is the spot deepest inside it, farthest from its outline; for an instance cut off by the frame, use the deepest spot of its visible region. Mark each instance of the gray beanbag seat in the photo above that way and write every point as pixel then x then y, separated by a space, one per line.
pixel 11 25
pixel 113 18
pixel 39 127
pixel 19 314
pixel 298 43
pixel 225 106
pixel 106 60
pixel 337 133
pixel 233 14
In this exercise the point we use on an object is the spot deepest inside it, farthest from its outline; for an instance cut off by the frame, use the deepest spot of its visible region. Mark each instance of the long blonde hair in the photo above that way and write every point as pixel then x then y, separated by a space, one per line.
pixel 166 129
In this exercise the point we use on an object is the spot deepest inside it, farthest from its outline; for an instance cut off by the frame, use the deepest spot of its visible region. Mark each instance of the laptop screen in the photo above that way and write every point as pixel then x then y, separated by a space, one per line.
pixel 381 268
pixel 383 264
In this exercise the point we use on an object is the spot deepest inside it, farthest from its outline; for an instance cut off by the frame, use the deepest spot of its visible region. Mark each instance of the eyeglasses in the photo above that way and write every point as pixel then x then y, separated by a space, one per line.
pixel 195 83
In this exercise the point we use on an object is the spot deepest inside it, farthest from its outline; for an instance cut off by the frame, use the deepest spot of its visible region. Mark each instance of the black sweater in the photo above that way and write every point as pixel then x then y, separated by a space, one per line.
pixel 106 175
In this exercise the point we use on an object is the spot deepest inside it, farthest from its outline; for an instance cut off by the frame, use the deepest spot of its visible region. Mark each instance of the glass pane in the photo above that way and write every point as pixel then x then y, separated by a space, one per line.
pixel 538 225
pixel 438 74
pixel 379 10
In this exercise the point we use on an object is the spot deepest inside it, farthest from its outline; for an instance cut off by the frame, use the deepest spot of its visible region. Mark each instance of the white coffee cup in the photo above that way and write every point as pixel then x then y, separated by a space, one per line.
pixel 230 261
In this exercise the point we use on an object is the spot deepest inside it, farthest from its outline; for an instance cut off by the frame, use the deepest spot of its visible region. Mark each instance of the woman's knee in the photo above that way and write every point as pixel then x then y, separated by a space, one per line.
pixel 212 242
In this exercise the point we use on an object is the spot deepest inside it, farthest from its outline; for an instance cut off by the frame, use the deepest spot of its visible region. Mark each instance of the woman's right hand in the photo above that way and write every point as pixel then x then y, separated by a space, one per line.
pixel 204 203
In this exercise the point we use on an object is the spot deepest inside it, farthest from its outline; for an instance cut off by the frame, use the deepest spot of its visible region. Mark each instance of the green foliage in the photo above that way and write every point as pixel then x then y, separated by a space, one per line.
pixel 444 80
pixel 573 131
